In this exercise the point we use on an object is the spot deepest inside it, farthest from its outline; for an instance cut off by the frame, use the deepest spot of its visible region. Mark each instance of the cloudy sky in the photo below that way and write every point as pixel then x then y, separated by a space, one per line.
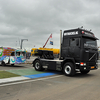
pixel 35 20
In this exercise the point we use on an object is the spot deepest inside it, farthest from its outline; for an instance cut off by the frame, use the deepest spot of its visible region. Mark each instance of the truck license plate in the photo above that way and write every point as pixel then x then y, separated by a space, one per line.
pixel 92 67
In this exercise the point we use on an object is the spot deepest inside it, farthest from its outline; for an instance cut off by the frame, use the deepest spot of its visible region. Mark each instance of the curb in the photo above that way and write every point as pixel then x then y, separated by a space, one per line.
pixel 25 77
pixel 13 79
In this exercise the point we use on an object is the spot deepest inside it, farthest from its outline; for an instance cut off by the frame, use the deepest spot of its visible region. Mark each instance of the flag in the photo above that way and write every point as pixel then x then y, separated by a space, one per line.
pixel 51 42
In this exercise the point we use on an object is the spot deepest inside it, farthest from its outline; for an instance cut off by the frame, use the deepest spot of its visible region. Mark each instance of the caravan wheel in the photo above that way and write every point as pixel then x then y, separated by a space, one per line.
pixel 3 63
pixel 12 64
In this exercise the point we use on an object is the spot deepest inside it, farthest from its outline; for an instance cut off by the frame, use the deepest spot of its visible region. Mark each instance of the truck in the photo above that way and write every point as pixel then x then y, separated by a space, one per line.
pixel 12 56
pixel 55 51
pixel 78 52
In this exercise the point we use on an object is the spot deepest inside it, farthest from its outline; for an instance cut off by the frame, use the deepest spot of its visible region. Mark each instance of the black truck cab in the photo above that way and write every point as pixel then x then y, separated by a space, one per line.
pixel 81 46
pixel 78 52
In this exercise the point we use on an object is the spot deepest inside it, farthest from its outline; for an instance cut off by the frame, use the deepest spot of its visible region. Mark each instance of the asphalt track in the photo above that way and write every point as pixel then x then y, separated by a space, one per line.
pixel 56 87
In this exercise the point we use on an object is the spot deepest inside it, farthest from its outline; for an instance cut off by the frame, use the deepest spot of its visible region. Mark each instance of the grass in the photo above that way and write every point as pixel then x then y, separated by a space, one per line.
pixel 5 74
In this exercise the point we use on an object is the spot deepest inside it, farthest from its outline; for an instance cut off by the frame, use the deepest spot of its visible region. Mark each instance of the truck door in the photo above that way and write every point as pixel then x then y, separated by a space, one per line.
pixel 65 48
pixel 74 47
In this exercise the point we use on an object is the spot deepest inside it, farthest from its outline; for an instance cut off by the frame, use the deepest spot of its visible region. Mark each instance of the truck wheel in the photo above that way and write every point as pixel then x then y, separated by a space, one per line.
pixel 84 71
pixel 69 69
pixel 38 65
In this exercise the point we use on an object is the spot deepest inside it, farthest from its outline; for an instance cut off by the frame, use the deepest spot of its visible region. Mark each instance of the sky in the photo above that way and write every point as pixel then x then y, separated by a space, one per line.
pixel 35 20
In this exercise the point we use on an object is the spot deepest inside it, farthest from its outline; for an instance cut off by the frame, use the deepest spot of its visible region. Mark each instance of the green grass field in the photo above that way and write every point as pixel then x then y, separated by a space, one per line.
pixel 5 74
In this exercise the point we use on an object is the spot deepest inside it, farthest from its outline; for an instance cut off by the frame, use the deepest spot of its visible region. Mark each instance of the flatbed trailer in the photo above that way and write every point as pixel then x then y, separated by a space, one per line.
pixel 78 51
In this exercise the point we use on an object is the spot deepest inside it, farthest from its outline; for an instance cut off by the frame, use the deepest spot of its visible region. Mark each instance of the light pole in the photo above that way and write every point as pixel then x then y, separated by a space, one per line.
pixel 22 42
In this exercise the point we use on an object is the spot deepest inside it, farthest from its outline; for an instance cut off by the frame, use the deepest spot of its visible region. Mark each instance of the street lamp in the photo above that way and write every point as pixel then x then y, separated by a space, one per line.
pixel 22 42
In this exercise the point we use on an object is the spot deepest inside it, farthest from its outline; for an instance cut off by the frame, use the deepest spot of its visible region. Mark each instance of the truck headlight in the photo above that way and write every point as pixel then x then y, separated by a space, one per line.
pixel 82 64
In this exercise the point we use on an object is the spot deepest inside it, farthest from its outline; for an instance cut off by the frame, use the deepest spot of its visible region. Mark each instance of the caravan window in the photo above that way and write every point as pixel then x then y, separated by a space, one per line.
pixel 17 53
pixel 13 54
pixel 20 53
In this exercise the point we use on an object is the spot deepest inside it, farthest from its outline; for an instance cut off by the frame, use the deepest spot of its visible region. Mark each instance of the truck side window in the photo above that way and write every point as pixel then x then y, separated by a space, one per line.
pixel 74 42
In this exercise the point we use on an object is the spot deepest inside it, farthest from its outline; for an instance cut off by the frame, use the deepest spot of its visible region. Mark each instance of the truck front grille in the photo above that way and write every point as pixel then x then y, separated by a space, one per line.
pixel 92 57
pixel 91 63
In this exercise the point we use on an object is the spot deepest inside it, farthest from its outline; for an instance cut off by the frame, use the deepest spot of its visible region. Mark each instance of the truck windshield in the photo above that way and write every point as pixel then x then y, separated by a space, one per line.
pixel 90 43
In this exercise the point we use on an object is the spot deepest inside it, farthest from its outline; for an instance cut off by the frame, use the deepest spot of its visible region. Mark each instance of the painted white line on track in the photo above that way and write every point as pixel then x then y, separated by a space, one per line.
pixel 31 80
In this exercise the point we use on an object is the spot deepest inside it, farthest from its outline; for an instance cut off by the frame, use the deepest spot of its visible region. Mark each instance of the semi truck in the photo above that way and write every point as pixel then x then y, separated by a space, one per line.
pixel 78 52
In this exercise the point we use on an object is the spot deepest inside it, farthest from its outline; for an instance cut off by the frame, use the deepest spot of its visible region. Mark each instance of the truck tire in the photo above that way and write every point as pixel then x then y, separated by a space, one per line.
pixel 69 69
pixel 84 71
pixel 38 65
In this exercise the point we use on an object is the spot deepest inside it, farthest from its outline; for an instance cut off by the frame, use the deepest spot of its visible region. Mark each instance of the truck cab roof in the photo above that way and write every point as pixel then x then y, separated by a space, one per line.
pixel 79 33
